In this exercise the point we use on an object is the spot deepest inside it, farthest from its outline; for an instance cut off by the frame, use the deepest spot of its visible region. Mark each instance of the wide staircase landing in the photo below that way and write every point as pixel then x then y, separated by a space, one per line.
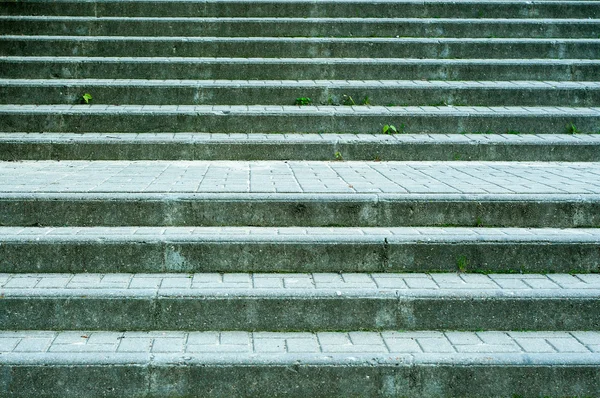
pixel 335 198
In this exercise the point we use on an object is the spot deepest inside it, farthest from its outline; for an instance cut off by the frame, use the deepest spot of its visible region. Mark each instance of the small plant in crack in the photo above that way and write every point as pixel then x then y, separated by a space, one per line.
pixel 303 101
pixel 572 129
pixel 338 156
pixel 87 97
pixel 462 263
pixel 347 100
pixel 389 129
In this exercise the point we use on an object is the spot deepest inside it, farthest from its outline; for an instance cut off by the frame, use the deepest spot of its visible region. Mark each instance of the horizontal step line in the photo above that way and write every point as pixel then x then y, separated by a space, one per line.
pixel 347 84
pixel 314 286
pixel 352 349
pixel 312 235
pixel 316 110
pixel 307 138
pixel 286 197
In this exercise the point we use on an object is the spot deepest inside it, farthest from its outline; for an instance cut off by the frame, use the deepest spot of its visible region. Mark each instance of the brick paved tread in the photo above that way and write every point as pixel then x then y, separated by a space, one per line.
pixel 416 347
pixel 553 178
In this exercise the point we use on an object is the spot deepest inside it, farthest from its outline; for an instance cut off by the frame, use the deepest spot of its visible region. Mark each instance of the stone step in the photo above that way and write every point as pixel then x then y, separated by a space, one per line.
pixel 302 27
pixel 382 147
pixel 300 8
pixel 298 249
pixel 301 47
pixel 290 92
pixel 323 365
pixel 291 302
pixel 295 119
pixel 298 68
pixel 300 193
pixel 308 210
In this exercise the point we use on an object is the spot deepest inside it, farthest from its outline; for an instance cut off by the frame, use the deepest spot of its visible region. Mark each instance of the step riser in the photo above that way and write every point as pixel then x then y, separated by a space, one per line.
pixel 333 314
pixel 280 48
pixel 313 256
pixel 354 122
pixel 551 9
pixel 12 151
pixel 400 28
pixel 297 380
pixel 180 69
pixel 406 96
pixel 368 212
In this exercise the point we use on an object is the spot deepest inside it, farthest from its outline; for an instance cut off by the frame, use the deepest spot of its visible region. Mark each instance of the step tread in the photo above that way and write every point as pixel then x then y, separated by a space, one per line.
pixel 306 138
pixel 313 235
pixel 307 177
pixel 323 348
pixel 344 84
pixel 311 286
pixel 316 110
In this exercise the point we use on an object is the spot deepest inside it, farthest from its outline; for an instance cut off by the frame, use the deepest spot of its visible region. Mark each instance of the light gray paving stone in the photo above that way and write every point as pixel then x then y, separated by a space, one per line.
pixel 291 283
pixel 303 177
pixel 275 343
pixel 314 234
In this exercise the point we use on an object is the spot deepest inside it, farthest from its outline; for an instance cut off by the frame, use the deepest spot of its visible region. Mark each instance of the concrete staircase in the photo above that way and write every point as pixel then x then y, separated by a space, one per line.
pixel 337 198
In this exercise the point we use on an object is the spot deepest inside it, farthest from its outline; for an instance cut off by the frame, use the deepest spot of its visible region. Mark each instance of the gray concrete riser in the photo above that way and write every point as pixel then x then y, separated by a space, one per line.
pixel 206 313
pixel 226 28
pixel 169 211
pixel 301 48
pixel 549 9
pixel 277 256
pixel 269 95
pixel 11 151
pixel 311 70
pixel 191 121
pixel 298 380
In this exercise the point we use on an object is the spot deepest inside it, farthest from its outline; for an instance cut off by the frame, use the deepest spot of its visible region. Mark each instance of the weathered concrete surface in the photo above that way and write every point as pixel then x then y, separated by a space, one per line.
pixel 303 210
pixel 293 119
pixel 203 68
pixel 334 92
pixel 382 147
pixel 291 302
pixel 407 9
pixel 261 249
pixel 302 27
